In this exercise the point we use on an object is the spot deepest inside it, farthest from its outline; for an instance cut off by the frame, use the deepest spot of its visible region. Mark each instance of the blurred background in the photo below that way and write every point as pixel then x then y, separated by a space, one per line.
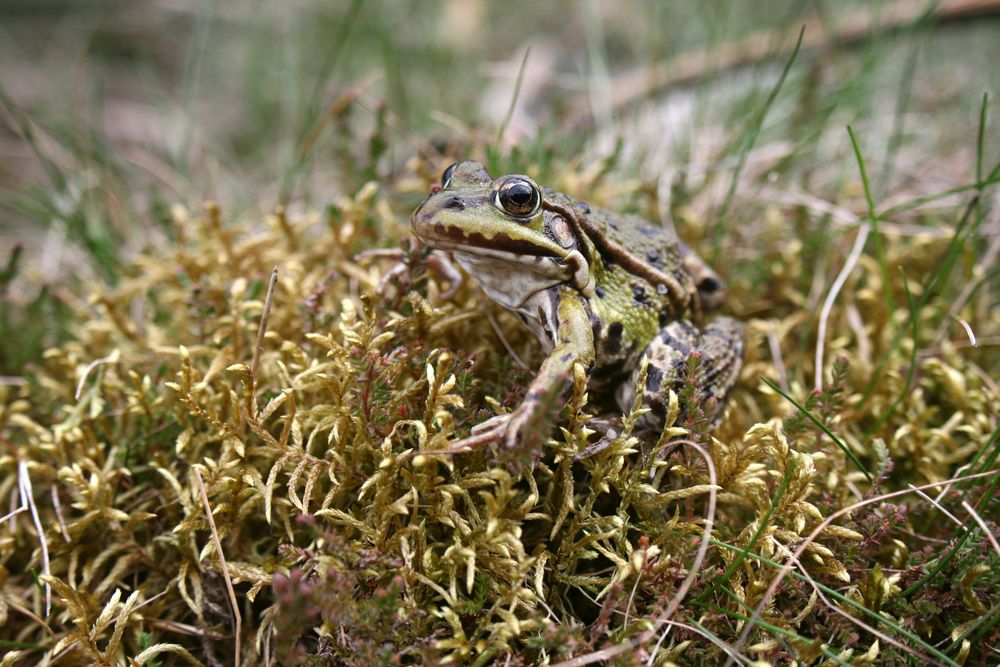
pixel 111 112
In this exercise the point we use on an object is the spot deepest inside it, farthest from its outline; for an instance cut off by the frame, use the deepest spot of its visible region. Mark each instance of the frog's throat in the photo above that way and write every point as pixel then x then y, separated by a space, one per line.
pixel 572 266
pixel 512 280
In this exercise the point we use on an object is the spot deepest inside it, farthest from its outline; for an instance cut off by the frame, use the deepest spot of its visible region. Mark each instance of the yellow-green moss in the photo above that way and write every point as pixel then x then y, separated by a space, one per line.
pixel 351 538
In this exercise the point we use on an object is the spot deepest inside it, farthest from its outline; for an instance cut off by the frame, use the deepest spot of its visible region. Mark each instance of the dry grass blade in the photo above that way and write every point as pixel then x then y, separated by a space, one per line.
pixel 831 297
pixel 27 498
pixel 234 604
pixel 968 331
pixel 109 359
pixel 695 570
pixel 264 316
pixel 982 524
pixel 13 513
pixel 728 650
pixel 936 502
pixel 57 506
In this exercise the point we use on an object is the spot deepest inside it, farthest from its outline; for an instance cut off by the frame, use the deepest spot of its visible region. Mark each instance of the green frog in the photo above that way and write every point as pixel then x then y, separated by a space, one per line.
pixel 607 291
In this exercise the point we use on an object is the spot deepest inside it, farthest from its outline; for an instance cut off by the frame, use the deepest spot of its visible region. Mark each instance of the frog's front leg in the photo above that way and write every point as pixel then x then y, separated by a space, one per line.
pixel 720 346
pixel 437 261
pixel 573 343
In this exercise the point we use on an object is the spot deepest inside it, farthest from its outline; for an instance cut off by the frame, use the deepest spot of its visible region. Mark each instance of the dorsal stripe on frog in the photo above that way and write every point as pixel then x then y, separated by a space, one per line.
pixel 614 251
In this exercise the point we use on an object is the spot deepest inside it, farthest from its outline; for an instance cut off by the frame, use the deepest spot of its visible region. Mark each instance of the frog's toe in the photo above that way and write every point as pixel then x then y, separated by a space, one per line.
pixel 506 428
pixel 486 433
pixel 380 253
pixel 391 276
pixel 444 267
pixel 515 426
pixel 398 269
pixel 493 423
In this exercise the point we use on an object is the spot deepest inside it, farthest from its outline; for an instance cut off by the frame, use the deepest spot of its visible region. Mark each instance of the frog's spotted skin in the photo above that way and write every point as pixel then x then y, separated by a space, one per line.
pixel 598 289
pixel 720 345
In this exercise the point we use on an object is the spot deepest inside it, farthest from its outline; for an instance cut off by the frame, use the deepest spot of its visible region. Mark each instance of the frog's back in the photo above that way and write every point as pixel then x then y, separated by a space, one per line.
pixel 654 244
pixel 651 243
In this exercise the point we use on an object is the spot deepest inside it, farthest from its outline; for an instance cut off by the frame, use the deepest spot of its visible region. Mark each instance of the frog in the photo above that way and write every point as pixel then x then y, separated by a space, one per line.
pixel 622 296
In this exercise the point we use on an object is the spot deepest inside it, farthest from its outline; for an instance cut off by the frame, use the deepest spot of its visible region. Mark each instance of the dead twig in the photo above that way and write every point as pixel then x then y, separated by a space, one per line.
pixel 59 516
pixel 982 524
pixel 264 316
pixel 643 82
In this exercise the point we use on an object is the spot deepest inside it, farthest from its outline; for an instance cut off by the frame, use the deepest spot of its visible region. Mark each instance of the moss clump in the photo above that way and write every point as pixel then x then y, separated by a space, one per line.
pixel 350 537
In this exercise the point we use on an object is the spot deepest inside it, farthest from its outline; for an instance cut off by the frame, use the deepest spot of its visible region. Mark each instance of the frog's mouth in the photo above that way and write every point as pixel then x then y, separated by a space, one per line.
pixel 511 267
pixel 511 279
pixel 506 266
pixel 439 235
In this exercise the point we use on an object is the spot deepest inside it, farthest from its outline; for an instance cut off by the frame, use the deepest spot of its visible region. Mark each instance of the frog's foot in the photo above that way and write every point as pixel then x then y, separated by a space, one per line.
pixel 398 269
pixel 441 264
pixel 437 261
pixel 720 347
pixel 506 429
pixel 485 433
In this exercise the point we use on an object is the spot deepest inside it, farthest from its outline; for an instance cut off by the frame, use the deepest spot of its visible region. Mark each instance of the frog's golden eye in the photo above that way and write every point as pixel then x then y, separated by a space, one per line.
pixel 518 197
pixel 446 176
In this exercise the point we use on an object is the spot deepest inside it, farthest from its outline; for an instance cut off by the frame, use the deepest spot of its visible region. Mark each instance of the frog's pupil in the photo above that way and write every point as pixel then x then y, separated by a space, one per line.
pixel 518 198
pixel 520 194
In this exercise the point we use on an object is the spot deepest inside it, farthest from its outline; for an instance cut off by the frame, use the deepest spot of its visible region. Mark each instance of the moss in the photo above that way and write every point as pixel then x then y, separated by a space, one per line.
pixel 351 535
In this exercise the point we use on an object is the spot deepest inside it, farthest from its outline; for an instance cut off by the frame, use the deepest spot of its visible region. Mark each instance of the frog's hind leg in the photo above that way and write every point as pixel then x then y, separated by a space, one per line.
pixel 720 345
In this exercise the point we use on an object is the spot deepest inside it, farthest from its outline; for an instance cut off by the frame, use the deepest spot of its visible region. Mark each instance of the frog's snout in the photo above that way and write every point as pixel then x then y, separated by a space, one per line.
pixel 426 221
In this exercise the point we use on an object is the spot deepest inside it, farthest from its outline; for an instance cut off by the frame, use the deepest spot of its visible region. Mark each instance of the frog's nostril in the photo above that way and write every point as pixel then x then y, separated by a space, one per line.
pixel 709 285
pixel 455 203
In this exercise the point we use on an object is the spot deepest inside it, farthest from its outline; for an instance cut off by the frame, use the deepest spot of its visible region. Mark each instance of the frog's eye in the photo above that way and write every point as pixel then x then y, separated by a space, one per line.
pixel 446 176
pixel 518 197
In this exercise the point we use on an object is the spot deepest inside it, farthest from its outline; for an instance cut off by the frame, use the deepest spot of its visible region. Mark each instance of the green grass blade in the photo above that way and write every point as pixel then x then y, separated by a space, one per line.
pixel 847 452
pixel 915 334
pixel 981 138
pixel 784 632
pixel 721 580
pixel 750 137
pixel 873 218
pixel 993 446
pixel 936 283
pixel 981 504
pixel 498 142
pixel 981 626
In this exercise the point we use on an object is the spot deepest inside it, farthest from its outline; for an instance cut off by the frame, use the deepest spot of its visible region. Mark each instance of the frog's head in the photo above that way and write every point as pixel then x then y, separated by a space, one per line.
pixel 499 230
